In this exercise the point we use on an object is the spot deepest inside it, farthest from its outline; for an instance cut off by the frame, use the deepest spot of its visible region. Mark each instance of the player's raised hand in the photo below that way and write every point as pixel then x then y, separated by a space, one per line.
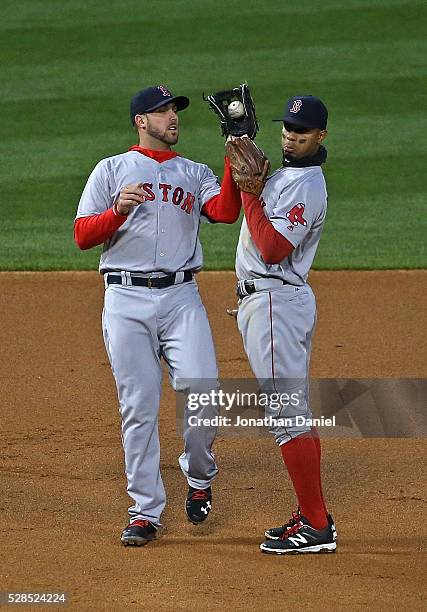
pixel 129 197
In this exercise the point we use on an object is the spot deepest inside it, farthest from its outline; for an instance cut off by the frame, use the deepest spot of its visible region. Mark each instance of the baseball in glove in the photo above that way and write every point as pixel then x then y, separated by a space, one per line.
pixel 249 165
pixel 236 110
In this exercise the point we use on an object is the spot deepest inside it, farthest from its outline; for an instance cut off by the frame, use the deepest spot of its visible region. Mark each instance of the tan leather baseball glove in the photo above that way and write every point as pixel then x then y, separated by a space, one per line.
pixel 249 165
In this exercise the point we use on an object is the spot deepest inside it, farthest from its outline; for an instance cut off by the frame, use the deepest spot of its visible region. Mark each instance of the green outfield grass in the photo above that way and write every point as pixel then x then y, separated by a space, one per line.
pixel 69 70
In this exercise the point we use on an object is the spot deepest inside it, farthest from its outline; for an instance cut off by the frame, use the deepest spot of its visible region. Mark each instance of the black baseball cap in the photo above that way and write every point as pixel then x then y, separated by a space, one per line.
pixel 306 111
pixel 150 98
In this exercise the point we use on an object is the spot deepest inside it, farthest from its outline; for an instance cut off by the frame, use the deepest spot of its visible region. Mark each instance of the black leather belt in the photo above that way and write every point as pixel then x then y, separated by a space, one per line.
pixel 247 287
pixel 140 281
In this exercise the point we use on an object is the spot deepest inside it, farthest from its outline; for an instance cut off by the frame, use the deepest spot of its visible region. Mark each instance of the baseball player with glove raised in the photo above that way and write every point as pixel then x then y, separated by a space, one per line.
pixel 145 206
pixel 283 220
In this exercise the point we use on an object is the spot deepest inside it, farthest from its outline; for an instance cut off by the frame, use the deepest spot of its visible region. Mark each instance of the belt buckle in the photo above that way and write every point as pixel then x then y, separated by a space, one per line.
pixel 150 284
pixel 250 287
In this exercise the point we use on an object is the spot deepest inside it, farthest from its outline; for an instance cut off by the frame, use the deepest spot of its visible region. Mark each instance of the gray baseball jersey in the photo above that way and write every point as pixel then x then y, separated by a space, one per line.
pixel 295 202
pixel 277 321
pixel 161 235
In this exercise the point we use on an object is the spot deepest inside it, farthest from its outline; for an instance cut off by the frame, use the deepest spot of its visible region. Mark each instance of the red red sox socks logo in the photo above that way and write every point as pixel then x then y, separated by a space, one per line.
pixel 296 106
pixel 295 216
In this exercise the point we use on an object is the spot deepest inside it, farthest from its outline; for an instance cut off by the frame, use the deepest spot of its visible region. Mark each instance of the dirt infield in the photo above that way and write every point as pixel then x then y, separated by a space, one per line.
pixel 63 501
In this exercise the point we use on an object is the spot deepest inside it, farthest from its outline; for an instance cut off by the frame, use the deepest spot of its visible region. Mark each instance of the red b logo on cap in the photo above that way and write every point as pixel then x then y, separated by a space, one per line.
pixel 296 106
pixel 165 91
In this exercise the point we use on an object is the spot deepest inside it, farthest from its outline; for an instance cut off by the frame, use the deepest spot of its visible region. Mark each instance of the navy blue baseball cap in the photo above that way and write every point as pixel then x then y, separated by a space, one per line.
pixel 150 98
pixel 306 111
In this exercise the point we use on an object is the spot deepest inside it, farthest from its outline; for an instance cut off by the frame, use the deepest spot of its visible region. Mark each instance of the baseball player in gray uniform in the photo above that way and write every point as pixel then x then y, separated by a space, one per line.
pixel 145 206
pixel 277 311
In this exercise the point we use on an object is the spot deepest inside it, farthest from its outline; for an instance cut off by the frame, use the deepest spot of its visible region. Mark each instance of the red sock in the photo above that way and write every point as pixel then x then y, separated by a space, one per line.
pixel 316 438
pixel 303 463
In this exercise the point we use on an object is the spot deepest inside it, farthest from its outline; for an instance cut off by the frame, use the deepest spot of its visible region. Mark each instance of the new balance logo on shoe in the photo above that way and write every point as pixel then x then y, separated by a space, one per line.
pixel 298 539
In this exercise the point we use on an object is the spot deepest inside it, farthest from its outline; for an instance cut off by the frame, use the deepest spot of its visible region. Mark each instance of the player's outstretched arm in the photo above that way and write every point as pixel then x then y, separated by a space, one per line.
pixel 224 207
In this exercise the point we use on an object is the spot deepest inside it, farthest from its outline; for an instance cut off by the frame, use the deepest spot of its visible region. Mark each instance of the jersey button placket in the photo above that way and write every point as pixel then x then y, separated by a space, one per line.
pixel 160 205
pixel 162 211
pixel 161 244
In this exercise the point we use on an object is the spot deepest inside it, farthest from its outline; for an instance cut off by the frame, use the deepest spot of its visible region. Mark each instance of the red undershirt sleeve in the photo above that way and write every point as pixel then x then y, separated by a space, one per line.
pixel 224 207
pixel 96 229
pixel 271 244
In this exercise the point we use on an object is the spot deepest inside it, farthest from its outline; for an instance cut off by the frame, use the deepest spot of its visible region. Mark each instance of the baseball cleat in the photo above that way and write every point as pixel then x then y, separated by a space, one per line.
pixel 301 538
pixel 274 533
pixel 138 533
pixel 198 504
